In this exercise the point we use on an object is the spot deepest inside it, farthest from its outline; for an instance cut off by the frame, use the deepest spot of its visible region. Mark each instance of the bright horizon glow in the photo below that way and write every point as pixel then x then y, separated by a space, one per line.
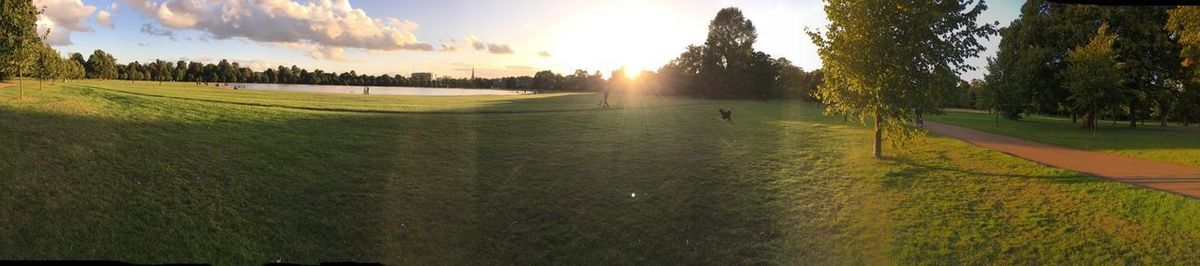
pixel 622 34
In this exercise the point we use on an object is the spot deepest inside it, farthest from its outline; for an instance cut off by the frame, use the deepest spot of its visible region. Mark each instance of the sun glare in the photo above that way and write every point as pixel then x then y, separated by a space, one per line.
pixel 640 35
pixel 632 72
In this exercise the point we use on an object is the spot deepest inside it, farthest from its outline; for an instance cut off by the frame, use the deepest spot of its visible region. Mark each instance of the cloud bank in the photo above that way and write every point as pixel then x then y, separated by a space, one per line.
pixel 61 17
pixel 327 26
pixel 472 42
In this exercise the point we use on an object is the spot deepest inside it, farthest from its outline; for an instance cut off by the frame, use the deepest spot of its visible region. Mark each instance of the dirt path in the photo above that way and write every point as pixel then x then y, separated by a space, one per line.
pixel 1175 178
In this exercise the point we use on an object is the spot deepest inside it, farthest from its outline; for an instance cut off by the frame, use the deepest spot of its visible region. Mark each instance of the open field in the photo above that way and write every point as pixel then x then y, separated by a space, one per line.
pixel 1173 144
pixel 181 173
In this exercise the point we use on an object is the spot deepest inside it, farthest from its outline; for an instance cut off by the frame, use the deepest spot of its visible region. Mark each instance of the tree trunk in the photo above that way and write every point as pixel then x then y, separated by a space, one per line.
pixel 878 151
pixel 1164 117
pixel 1093 122
pixel 1089 118
pixel 1132 115
pixel 1074 118
pixel 1113 111
pixel 996 122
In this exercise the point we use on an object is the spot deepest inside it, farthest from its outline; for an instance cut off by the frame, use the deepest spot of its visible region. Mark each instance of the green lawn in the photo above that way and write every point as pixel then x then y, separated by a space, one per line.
pixel 1150 141
pixel 144 174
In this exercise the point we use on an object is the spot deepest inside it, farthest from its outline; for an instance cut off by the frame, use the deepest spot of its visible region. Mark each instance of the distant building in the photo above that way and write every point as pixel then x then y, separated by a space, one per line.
pixel 422 77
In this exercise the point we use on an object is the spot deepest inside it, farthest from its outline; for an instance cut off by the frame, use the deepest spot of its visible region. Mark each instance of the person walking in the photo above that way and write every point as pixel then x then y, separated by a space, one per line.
pixel 604 101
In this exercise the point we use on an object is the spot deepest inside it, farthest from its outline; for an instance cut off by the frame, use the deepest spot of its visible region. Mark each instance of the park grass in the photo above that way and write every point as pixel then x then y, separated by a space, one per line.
pixel 1150 141
pixel 95 170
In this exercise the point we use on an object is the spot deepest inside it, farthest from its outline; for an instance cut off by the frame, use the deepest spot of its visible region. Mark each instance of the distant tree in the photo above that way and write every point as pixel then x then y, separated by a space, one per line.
pixel 1092 76
pixel 195 72
pixel 164 70
pixel 546 80
pixel 75 69
pixel 225 71
pixel 179 72
pixel 997 94
pixel 47 65
pixel 878 56
pixel 101 65
pixel 135 71
pixel 78 58
pixel 728 52
pixel 792 80
pixel 762 77
pixel 209 73
pixel 683 72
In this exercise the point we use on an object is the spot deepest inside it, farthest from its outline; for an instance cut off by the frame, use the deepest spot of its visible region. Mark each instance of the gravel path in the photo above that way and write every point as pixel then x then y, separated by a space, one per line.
pixel 1170 177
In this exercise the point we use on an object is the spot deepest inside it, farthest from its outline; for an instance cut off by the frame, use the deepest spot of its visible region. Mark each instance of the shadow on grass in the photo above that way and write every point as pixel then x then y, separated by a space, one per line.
pixel 915 170
pixel 161 180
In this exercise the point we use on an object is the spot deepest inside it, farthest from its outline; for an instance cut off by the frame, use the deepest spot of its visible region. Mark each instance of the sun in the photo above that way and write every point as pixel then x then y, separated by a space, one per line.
pixel 642 35
pixel 631 72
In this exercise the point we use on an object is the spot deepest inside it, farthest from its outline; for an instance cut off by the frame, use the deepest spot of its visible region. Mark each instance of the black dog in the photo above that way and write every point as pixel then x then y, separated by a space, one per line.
pixel 726 115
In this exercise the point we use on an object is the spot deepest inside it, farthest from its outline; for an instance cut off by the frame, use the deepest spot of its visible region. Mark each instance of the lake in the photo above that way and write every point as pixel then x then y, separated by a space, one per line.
pixel 374 89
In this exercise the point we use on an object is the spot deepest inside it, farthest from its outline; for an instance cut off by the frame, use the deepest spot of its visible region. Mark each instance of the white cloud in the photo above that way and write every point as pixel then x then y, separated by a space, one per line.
pixel 331 25
pixel 497 48
pixel 544 53
pixel 56 35
pixel 328 53
pixel 61 17
pixel 473 42
pixel 104 19
pixel 68 14
pixel 150 29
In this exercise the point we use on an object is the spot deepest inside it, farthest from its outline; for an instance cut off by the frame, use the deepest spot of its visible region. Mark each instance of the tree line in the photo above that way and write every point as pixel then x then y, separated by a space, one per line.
pixel 1131 63
pixel 727 66
pixel 22 53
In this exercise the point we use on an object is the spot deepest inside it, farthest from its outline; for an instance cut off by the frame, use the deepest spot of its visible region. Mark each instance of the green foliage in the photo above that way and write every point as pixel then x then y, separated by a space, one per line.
pixel 101 65
pixel 882 59
pixel 18 37
pixel 729 55
pixel 1092 74
pixel 1034 49
pixel 727 66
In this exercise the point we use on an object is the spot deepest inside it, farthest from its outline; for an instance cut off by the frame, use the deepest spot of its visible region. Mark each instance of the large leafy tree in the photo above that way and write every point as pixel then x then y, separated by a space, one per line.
pixel 1032 54
pixel 18 37
pixel 1092 76
pixel 1184 24
pixel 881 56
pixel 728 54
pixel 101 65
pixel 48 65
pixel 1143 48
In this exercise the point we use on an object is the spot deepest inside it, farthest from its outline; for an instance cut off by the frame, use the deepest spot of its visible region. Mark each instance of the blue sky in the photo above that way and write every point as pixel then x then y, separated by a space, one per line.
pixel 497 38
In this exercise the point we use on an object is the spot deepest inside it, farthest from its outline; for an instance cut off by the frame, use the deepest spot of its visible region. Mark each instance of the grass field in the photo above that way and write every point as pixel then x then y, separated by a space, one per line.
pixel 109 170
pixel 1151 141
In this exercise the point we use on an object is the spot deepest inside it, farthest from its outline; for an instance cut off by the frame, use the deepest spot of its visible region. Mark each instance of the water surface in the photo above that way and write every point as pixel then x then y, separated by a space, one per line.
pixel 374 90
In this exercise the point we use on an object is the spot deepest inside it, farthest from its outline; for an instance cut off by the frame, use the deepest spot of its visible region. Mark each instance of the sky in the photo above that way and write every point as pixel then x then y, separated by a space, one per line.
pixel 448 38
